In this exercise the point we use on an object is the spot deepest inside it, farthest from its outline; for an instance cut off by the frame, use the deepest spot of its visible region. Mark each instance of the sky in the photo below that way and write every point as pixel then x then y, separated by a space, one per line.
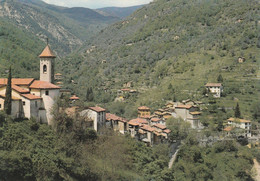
pixel 93 4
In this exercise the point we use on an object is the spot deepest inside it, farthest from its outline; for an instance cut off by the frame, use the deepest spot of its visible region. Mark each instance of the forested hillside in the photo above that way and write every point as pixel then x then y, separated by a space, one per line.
pixel 171 49
pixel 120 12
pixel 66 28
pixel 20 50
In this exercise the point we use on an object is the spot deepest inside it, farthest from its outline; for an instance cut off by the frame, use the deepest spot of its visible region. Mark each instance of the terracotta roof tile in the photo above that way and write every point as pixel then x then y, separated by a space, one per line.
pixel 47 53
pixel 160 126
pixel 74 97
pixel 143 108
pixel 114 117
pixel 19 89
pixel 17 81
pixel 97 109
pixel 167 131
pixel 239 120
pixel 195 113
pixel 37 84
pixel 155 119
pixel 229 128
pixel 31 96
pixel 213 85
pixel 183 106
pixel 110 117
pixel 138 121
pixel 147 128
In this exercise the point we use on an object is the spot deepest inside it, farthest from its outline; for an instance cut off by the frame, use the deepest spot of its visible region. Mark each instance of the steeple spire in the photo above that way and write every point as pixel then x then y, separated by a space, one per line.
pixel 47 52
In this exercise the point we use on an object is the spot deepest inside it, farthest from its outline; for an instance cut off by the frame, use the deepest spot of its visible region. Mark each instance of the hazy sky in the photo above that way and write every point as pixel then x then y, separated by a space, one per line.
pixel 97 3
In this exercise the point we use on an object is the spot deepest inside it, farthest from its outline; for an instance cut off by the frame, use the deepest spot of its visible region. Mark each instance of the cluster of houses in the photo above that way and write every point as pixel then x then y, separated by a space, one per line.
pixel 147 127
pixel 150 130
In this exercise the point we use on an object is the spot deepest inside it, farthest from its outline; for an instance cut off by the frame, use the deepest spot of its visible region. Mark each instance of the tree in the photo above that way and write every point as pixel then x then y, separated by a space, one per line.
pixel 90 94
pixel 237 111
pixel 8 94
pixel 220 78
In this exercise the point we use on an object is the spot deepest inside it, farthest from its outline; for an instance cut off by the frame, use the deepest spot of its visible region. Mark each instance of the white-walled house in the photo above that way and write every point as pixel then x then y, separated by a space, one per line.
pixel 240 123
pixel 97 114
pixel 34 98
pixel 215 88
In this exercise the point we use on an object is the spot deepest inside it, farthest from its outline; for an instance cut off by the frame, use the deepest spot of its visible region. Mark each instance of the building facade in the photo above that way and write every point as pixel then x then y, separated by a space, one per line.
pixel 215 88
pixel 34 98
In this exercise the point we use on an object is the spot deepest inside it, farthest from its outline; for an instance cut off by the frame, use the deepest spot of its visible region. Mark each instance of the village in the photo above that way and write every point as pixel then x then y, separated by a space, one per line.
pixel 35 98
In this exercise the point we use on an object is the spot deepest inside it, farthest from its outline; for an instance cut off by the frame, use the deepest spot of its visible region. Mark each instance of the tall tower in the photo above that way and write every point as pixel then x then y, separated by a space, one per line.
pixel 47 58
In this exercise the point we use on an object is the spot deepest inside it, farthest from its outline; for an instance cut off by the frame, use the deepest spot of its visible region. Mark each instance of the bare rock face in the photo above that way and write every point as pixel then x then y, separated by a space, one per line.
pixel 41 23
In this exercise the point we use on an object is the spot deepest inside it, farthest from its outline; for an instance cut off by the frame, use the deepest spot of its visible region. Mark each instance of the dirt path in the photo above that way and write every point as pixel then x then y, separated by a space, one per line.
pixel 257 170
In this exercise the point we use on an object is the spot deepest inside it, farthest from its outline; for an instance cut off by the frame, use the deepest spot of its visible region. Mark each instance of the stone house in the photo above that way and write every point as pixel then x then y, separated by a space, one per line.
pixel 134 125
pixel 156 120
pixel 146 134
pixel 144 112
pixel 97 115
pixel 116 123
pixel 188 113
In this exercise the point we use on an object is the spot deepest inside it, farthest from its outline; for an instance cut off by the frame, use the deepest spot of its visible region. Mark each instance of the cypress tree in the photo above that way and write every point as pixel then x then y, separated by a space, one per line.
pixel 237 111
pixel 8 95
pixel 220 78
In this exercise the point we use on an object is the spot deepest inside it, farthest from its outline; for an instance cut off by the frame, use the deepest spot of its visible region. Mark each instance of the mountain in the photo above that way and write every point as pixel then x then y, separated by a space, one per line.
pixel 66 28
pixel 118 11
pixel 20 50
pixel 170 49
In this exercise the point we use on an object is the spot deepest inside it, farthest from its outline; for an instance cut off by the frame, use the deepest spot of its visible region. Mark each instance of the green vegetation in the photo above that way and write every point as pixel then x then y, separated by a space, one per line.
pixel 179 43
pixel 237 112
pixel 225 160
pixel 18 49
pixel 33 151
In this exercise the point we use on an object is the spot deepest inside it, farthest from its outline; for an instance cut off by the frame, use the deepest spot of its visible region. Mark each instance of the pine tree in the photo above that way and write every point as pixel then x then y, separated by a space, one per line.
pixel 237 111
pixel 8 95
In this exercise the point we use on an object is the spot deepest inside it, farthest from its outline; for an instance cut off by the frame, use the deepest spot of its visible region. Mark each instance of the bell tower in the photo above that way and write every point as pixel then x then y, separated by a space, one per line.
pixel 47 58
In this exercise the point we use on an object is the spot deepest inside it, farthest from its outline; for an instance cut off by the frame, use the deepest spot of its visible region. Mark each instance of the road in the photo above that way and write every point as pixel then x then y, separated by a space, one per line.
pixel 173 153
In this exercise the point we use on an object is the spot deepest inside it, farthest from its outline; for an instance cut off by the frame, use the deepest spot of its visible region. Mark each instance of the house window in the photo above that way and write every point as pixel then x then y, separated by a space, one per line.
pixel 46 93
pixel 36 104
pixel 24 103
pixel 45 69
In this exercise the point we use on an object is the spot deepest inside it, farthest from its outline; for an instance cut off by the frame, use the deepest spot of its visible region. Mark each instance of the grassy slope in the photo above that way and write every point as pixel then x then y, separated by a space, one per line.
pixel 180 42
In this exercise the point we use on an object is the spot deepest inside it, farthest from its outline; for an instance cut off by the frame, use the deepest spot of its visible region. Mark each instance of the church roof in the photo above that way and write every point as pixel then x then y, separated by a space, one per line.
pixel 19 89
pixel 17 81
pixel 47 53
pixel 37 84
pixel 31 96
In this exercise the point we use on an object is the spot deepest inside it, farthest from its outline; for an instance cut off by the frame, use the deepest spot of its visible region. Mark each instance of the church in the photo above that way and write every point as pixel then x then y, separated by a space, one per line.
pixel 34 98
